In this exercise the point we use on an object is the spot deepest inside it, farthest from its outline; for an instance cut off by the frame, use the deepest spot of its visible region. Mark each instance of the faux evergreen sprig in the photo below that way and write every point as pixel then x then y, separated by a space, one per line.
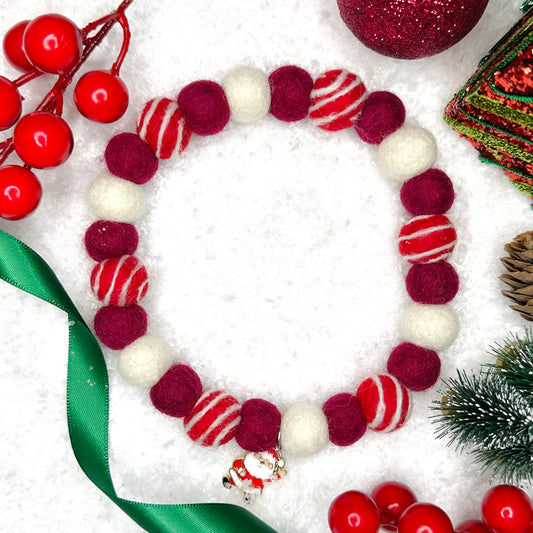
pixel 490 414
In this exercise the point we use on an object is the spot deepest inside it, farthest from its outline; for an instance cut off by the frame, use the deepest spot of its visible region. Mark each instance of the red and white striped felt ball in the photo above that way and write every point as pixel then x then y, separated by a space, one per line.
pixel 119 280
pixel 162 125
pixel 427 238
pixel 336 100
pixel 385 402
pixel 214 419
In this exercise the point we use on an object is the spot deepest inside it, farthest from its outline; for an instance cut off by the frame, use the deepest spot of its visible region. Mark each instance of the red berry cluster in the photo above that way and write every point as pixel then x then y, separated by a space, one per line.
pixel 53 44
pixel 394 507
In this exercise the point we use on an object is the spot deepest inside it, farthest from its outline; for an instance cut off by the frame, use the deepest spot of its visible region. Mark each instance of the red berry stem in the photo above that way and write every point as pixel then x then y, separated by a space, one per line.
pixel 53 101
pixel 27 77
pixel 123 21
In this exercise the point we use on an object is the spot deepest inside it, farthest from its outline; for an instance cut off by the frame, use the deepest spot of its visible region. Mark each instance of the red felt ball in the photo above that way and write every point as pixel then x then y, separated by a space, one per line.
pixel 11 107
pixel 392 499
pixel 385 402
pixel 204 106
pixel 53 43
pixel 214 419
pixel 432 283
pixel 353 512
pixel 20 192
pixel 129 157
pixel 430 193
pixel 382 114
pixel 427 238
pixel 117 327
pixel 410 30
pixel 176 393
pixel 336 100
pixel 473 526
pixel 346 420
pixel 506 509
pixel 259 427
pixel 101 95
pixel 290 88
pixel 43 139
pixel 105 239
pixel 13 48
pixel 119 281
pixel 416 367
pixel 426 518
pixel 162 125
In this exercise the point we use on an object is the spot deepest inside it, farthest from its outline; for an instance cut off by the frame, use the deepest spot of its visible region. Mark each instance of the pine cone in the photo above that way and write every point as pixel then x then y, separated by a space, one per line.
pixel 520 276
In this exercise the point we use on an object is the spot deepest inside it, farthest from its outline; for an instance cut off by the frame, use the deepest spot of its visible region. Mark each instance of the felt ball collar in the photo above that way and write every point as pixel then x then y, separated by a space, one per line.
pixel 335 100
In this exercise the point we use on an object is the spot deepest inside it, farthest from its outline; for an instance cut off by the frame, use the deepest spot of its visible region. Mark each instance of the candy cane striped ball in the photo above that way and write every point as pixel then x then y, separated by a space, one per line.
pixel 214 419
pixel 162 125
pixel 119 280
pixel 336 100
pixel 385 402
pixel 427 238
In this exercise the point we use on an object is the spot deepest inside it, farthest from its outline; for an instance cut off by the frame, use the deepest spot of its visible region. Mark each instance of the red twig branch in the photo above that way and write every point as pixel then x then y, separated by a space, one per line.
pixel 53 101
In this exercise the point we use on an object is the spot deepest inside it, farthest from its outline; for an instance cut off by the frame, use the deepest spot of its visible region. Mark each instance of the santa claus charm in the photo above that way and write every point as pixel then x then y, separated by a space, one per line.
pixel 251 472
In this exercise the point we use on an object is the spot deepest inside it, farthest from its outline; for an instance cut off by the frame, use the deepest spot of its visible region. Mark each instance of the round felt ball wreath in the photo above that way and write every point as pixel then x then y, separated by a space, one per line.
pixel 335 100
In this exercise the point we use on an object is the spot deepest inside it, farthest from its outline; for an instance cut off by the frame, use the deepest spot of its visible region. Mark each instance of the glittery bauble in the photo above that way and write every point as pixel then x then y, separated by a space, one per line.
pixel 410 29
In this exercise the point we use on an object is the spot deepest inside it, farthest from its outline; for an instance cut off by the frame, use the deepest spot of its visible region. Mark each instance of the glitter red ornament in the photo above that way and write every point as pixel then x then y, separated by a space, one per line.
pixel 353 512
pixel 410 30
pixel 506 509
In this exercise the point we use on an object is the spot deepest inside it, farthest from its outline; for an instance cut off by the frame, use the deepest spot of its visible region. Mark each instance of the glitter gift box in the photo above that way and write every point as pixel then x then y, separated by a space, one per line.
pixel 494 110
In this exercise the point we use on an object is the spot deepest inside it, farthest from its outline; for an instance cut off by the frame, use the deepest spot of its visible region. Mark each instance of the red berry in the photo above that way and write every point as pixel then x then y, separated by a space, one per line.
pixel 11 107
pixel 424 518
pixel 506 509
pixel 52 43
pixel 473 526
pixel 392 499
pixel 101 95
pixel 20 192
pixel 13 49
pixel 353 512
pixel 43 139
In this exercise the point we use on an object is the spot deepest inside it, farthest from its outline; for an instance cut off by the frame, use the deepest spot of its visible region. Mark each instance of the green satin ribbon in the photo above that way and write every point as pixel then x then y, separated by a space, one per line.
pixel 88 408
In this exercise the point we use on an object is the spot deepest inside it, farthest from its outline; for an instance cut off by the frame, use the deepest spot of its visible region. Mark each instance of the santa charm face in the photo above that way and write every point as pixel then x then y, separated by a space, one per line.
pixel 251 472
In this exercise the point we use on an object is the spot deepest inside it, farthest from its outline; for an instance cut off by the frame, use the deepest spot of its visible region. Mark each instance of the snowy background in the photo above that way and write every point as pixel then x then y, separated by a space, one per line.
pixel 274 271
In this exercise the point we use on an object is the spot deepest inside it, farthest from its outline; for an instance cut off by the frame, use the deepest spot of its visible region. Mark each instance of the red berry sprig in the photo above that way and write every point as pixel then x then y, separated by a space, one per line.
pixel 504 509
pixel 53 44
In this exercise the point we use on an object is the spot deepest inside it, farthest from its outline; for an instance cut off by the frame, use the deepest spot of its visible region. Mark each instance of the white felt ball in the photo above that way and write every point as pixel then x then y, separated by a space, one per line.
pixel 145 360
pixel 407 152
pixel 116 199
pixel 248 92
pixel 430 326
pixel 304 429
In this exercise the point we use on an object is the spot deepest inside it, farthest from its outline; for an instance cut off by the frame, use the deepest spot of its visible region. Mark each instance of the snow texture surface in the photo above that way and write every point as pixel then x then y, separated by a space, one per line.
pixel 274 271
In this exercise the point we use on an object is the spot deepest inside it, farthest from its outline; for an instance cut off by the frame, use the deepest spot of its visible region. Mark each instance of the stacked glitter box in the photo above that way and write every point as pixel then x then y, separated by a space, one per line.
pixel 494 110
